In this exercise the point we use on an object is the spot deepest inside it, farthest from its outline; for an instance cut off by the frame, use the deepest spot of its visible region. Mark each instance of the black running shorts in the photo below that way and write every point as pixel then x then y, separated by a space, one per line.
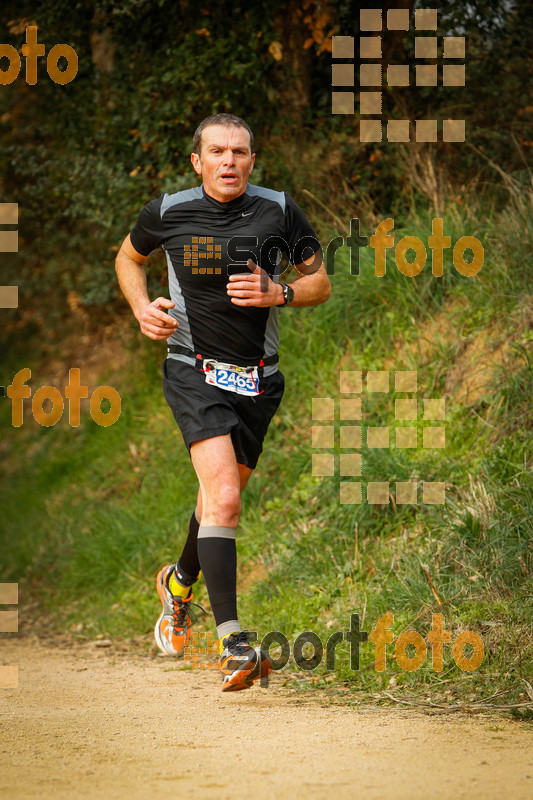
pixel 203 411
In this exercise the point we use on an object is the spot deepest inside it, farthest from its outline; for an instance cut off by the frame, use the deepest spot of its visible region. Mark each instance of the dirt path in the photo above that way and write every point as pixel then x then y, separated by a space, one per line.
pixel 93 723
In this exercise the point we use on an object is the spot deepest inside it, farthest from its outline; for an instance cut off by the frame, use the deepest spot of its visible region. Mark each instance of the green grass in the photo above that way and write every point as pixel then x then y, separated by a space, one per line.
pixel 90 514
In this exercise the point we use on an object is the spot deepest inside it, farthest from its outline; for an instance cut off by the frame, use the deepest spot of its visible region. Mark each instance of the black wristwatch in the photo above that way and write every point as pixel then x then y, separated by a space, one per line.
pixel 288 294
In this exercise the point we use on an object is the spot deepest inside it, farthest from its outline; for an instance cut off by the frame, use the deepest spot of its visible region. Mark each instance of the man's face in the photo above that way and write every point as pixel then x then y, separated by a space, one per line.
pixel 225 162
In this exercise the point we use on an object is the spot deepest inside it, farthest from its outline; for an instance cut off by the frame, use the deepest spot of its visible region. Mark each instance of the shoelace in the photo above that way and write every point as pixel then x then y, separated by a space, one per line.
pixel 238 639
pixel 183 611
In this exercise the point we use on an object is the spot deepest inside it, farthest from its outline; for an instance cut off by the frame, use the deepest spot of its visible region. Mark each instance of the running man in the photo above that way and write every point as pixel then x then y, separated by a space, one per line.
pixel 222 242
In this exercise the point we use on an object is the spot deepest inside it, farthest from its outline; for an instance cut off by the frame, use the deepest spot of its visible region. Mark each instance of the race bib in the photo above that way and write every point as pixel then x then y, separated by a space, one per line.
pixel 243 380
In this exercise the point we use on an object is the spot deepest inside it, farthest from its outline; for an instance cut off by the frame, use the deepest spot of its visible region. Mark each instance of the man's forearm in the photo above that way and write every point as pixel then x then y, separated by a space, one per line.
pixel 132 279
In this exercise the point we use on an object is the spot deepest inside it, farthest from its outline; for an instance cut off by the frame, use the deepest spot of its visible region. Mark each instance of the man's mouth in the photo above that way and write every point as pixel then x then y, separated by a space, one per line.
pixel 229 177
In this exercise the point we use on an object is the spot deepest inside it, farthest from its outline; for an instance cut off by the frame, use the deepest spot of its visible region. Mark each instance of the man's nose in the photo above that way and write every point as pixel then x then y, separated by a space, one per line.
pixel 229 157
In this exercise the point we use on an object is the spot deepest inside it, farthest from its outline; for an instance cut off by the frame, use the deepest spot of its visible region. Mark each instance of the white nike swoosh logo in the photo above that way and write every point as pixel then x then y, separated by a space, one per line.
pixel 248 214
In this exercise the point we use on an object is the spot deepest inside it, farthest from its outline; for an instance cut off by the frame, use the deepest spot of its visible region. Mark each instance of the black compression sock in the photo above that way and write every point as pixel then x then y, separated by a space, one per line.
pixel 217 553
pixel 188 564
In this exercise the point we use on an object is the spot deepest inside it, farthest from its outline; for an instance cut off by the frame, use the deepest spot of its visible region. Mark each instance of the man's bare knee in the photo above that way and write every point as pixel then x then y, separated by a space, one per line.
pixel 225 503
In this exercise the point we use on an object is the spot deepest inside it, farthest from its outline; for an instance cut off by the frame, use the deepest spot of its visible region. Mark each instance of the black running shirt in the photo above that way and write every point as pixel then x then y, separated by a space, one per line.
pixel 205 241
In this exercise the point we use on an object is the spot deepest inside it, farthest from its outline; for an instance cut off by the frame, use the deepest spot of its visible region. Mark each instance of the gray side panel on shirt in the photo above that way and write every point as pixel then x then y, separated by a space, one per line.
pixel 268 194
pixel 183 334
pixel 272 332
pixel 180 197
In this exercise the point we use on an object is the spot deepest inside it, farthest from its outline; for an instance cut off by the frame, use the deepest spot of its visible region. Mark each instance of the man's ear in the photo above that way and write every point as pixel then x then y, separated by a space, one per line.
pixel 196 162
pixel 252 165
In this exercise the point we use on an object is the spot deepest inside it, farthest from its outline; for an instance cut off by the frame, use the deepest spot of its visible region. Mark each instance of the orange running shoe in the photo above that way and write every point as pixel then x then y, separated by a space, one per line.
pixel 173 628
pixel 240 664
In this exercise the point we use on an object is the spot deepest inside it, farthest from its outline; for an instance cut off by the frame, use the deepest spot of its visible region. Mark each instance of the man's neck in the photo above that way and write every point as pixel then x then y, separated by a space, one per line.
pixel 225 200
